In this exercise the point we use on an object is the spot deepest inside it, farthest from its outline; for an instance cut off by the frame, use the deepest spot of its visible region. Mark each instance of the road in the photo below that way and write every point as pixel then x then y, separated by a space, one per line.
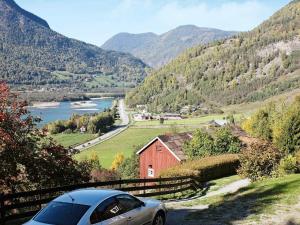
pixel 120 128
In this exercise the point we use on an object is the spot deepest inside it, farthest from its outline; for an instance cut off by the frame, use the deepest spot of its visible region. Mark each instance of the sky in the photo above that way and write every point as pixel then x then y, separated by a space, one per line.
pixel 95 21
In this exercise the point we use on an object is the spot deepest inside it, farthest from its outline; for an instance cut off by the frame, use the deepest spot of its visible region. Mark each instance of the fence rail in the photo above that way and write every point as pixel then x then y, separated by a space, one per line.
pixel 24 204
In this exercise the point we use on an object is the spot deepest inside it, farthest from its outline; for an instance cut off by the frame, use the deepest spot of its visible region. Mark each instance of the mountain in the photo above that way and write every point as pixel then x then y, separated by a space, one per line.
pixel 32 55
pixel 157 50
pixel 249 67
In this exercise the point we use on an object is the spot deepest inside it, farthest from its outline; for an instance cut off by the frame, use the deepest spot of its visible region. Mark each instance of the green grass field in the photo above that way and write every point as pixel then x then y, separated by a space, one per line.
pixel 189 121
pixel 72 139
pixel 125 143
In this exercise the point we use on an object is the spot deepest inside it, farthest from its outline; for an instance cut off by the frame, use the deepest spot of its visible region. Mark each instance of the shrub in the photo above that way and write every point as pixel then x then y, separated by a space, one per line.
pixel 297 155
pixel 118 160
pixel 287 130
pixel 287 165
pixel 202 144
pixel 261 122
pixel 259 160
pixel 129 168
pixel 226 142
pixel 207 168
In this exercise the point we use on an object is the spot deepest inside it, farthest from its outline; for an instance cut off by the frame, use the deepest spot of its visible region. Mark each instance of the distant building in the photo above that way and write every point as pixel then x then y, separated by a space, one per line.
pixel 218 123
pixel 162 153
pixel 171 116
pixel 142 116
pixel 82 129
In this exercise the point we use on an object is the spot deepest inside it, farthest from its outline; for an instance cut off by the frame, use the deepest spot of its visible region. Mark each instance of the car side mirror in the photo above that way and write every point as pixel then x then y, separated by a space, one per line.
pixel 142 204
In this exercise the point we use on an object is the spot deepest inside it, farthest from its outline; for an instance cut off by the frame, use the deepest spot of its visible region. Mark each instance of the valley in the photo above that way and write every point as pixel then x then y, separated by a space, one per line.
pixel 206 121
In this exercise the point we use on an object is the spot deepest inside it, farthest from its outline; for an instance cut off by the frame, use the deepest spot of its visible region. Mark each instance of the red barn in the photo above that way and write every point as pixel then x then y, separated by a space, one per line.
pixel 161 153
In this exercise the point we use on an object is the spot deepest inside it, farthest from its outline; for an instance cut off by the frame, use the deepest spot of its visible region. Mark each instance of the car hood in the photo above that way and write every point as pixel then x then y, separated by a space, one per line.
pixel 150 200
pixel 32 222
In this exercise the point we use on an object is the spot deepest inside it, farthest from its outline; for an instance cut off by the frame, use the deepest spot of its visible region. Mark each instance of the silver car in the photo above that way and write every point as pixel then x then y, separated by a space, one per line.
pixel 100 207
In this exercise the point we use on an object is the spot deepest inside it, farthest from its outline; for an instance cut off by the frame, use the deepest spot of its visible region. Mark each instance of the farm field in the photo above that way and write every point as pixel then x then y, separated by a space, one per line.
pixel 68 140
pixel 188 121
pixel 124 143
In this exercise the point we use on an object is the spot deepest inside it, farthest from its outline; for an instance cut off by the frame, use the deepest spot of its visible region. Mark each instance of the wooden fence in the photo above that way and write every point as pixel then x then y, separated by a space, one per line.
pixel 25 204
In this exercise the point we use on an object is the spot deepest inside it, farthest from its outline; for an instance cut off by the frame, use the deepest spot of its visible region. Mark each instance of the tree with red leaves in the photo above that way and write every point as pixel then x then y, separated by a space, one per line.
pixel 29 159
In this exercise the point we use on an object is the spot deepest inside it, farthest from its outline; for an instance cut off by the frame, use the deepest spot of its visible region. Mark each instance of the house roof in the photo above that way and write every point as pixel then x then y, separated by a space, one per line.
pixel 173 142
pixel 219 122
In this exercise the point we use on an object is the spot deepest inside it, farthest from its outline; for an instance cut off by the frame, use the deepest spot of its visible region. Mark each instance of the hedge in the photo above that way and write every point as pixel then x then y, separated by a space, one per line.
pixel 206 169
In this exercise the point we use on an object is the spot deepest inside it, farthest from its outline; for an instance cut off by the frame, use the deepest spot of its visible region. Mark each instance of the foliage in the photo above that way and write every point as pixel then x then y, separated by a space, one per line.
pixel 287 165
pixel 28 158
pixel 287 130
pixel 98 173
pixel 226 142
pixel 297 155
pixel 280 125
pixel 246 68
pixel 95 123
pixel 118 160
pixel 259 160
pixel 207 168
pixel 129 168
pixel 203 144
pixel 261 123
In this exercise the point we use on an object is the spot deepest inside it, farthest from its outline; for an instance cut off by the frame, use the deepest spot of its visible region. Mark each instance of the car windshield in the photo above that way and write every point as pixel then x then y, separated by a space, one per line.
pixel 61 213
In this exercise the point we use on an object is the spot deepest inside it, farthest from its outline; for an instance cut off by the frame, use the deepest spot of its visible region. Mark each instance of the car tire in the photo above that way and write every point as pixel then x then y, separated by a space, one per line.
pixel 159 219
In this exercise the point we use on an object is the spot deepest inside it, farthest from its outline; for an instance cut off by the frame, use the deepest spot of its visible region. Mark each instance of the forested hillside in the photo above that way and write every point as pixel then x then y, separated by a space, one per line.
pixel 158 50
pixel 252 66
pixel 31 54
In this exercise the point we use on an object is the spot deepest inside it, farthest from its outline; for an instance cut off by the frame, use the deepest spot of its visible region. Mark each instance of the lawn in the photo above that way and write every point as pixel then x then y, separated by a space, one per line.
pixel 125 143
pixel 72 139
pixel 269 199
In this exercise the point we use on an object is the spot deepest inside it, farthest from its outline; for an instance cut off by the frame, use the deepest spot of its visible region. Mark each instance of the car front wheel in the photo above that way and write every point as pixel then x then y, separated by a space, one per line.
pixel 159 219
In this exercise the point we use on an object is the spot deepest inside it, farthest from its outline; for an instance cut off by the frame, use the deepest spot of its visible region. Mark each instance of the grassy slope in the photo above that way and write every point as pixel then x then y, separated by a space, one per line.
pixel 267 199
pixel 72 139
pixel 125 143
pixel 248 108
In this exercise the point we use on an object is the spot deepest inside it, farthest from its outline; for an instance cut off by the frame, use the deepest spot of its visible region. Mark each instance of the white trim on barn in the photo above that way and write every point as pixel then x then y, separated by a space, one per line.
pixel 157 138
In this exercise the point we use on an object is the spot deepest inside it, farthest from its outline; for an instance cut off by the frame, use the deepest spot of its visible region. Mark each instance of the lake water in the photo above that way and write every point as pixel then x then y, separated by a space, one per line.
pixel 65 110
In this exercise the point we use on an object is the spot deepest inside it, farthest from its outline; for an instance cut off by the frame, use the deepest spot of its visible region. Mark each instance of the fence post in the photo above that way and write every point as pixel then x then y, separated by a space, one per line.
pixel 2 209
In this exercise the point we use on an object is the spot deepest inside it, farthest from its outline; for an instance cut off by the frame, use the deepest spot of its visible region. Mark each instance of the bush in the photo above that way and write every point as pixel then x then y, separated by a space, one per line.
pixel 208 168
pixel 203 144
pixel 297 155
pixel 129 168
pixel 287 130
pixel 259 160
pixel 287 165
pixel 226 142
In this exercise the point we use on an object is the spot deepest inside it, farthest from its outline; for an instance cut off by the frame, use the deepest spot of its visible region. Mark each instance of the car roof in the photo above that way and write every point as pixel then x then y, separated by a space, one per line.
pixel 87 196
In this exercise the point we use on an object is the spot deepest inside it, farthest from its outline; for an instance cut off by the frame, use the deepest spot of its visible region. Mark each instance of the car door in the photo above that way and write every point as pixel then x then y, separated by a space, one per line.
pixel 109 212
pixel 136 212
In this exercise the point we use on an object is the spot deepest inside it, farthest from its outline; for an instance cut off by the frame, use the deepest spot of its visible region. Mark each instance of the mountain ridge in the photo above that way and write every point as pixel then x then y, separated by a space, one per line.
pixel 158 49
pixel 32 55
pixel 252 66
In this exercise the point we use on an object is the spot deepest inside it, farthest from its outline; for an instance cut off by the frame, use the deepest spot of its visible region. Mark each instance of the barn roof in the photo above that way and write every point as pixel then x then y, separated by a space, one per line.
pixel 173 142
